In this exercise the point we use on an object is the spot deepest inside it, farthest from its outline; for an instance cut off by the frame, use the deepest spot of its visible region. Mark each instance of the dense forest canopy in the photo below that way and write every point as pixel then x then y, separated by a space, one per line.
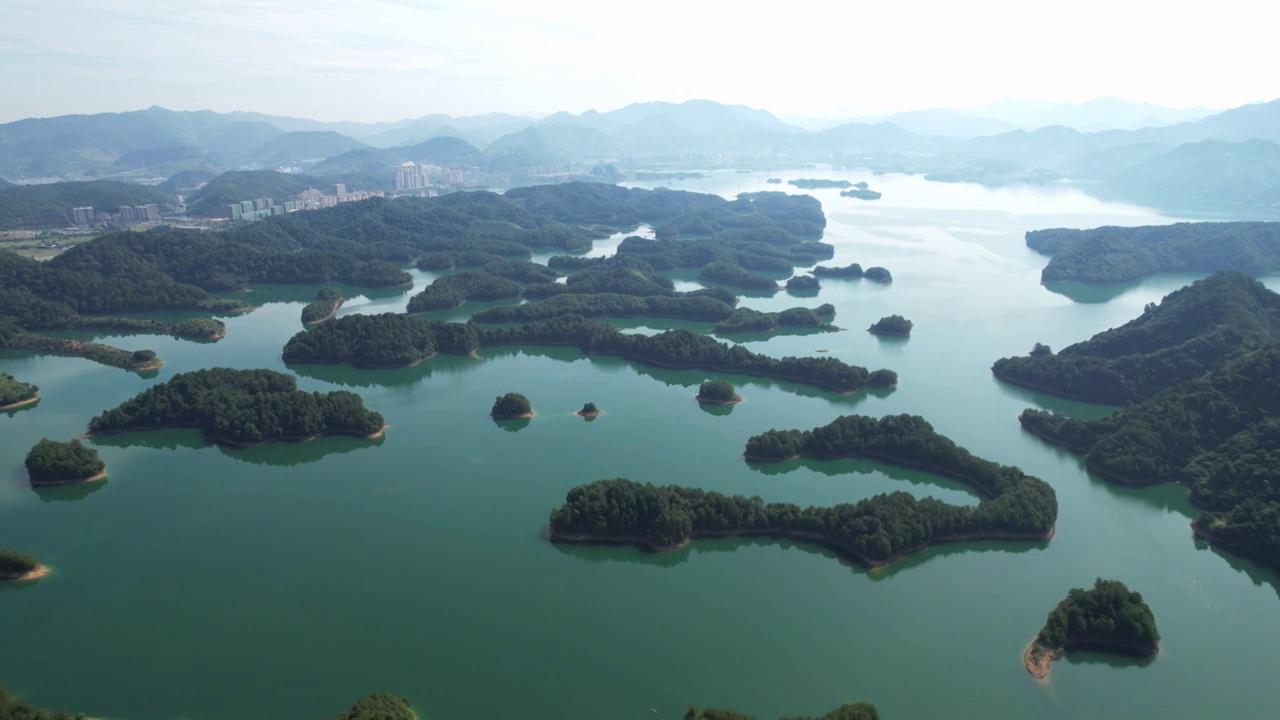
pixel 325 304
pixel 379 706
pixel 13 390
pixel 1108 616
pixel 1118 254
pixel 51 204
pixel 511 405
pixel 52 462
pixel 853 711
pixel 1191 331
pixel 717 391
pixel 892 325
pixel 241 407
pixel 876 531
pixel 15 564
pixel 391 340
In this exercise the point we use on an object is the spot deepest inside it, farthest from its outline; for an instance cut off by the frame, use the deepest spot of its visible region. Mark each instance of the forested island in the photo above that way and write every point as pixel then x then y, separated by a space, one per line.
pixel 861 191
pixel 18 566
pixel 696 306
pixel 875 531
pixel 325 304
pixel 1192 330
pixel 589 411
pixel 395 340
pixel 379 706
pixel 849 271
pixel 1120 254
pixel 15 394
pixel 1108 618
pixel 803 283
pixel 891 325
pixel 1216 434
pixel 511 406
pixel 730 274
pixel 853 711
pixel 717 392
pixel 813 184
pixel 742 320
pixel 878 274
pixel 241 408
pixel 50 462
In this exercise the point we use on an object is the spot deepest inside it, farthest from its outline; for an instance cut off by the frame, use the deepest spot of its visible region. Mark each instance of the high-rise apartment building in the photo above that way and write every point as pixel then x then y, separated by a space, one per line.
pixel 83 215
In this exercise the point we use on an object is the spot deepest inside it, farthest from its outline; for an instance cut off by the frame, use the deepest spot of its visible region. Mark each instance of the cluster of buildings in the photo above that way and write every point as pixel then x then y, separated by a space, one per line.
pixel 126 213
pixel 417 176
pixel 310 199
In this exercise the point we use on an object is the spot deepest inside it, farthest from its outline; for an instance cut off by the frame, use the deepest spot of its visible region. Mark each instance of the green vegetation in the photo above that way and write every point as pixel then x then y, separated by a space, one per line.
pixel 854 711
pixel 730 274
pixel 878 274
pixel 451 291
pixel 876 531
pixel 1191 331
pixel 861 192
pixel 14 338
pixel 13 392
pixel 11 708
pixel 684 306
pixel 50 462
pixel 241 407
pixel 323 307
pixel 391 340
pixel 14 564
pixel 748 320
pixel 892 325
pixel 589 410
pixel 510 406
pixel 215 198
pixel 812 184
pixel 1108 618
pixel 851 271
pixel 379 706
pixel 50 205
pixel 718 392
pixel 1115 254
pixel 803 283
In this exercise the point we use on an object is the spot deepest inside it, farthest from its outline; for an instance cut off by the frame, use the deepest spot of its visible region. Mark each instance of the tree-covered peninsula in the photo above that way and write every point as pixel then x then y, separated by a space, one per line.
pixel 1120 254
pixel 853 271
pixel 803 283
pixel 817 184
pixel 852 711
pixel 718 392
pixel 325 304
pixel 391 340
pixel 50 462
pixel 743 320
pixel 697 306
pixel 730 274
pixel 875 531
pixel 511 406
pixel 14 338
pixel 15 394
pixel 18 566
pixel 1192 330
pixel 11 708
pixel 1108 618
pixel 891 325
pixel 241 408
pixel 1217 434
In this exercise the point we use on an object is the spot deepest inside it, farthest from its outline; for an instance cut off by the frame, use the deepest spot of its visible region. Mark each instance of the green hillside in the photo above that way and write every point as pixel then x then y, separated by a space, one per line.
pixel 43 206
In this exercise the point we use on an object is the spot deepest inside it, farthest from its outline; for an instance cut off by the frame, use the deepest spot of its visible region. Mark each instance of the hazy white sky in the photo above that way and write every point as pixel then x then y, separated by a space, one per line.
pixel 390 59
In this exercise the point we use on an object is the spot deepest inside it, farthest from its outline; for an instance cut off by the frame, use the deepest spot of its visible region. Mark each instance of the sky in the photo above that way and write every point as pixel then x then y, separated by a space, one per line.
pixel 385 60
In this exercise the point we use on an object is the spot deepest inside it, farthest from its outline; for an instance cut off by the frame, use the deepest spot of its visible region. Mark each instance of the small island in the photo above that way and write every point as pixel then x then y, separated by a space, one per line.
pixel 774 181
pixel 323 307
pixel 853 271
pixel 803 283
pixel 818 184
pixel 717 392
pixel 15 394
pixel 589 411
pixel 892 325
pixel 242 408
pixel 50 462
pixel 20 566
pixel 512 406
pixel 1108 618
pixel 861 191
pixel 878 274
pixel 379 706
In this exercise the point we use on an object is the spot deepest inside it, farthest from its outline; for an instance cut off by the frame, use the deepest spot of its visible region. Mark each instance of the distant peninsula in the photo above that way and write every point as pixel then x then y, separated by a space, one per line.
pixel 861 191
pixel 816 184
pixel 15 394
pixel 241 408
pixel 875 531
pixel 50 462
pixel 1108 618
pixel 1124 254
pixel 20 567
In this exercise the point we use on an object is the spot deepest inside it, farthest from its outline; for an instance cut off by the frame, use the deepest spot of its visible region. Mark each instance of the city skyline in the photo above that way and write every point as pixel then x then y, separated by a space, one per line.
pixel 389 60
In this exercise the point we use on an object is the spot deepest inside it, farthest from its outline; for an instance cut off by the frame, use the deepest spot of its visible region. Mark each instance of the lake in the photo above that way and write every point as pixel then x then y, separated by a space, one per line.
pixel 287 580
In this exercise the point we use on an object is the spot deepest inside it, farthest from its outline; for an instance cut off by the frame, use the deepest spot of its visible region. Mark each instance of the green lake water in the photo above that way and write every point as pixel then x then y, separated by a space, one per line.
pixel 287 580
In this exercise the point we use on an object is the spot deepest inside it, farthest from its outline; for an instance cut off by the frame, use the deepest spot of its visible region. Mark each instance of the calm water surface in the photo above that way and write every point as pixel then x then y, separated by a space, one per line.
pixel 285 581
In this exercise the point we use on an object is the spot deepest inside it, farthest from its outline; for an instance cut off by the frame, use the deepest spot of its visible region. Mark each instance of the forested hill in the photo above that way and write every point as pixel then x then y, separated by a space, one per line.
pixel 214 199
pixel 1218 434
pixel 1117 254
pixel 50 205
pixel 1191 331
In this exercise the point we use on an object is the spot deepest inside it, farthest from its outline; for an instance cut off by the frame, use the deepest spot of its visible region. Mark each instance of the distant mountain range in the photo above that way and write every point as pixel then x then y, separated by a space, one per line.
pixel 1183 160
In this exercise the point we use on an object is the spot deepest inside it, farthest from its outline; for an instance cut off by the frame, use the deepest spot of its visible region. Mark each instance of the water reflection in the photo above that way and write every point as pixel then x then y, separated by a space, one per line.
pixel 513 424
pixel 1090 657
pixel 718 409
pixel 279 454
pixel 1089 294
pixel 70 493
pixel 1078 409
pixel 14 411
pixel 865 466
pixel 1260 576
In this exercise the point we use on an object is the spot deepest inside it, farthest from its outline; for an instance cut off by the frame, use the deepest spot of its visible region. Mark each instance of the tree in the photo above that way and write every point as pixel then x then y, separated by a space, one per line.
pixel 717 391
pixel 511 405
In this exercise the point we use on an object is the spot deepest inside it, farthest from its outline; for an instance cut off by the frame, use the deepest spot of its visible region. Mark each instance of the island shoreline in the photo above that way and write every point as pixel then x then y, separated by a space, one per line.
pixel 35 573
pixel 79 481
pixel 21 403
